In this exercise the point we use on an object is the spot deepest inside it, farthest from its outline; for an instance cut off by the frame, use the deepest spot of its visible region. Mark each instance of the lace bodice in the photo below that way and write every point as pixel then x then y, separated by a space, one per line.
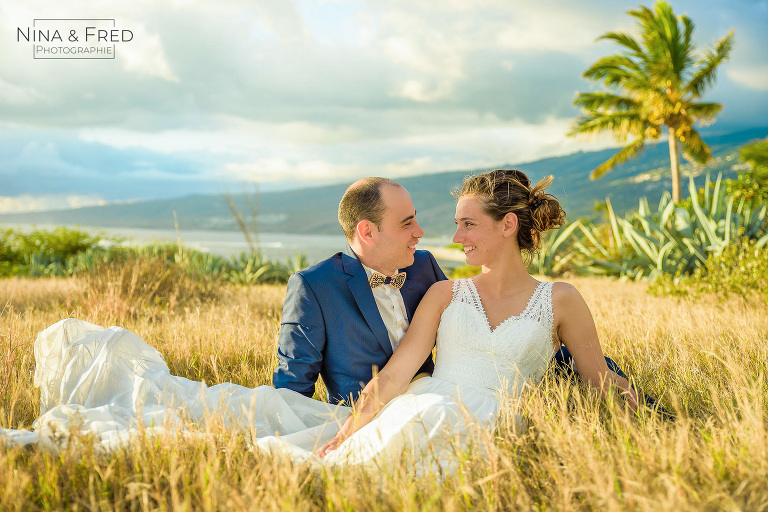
pixel 509 357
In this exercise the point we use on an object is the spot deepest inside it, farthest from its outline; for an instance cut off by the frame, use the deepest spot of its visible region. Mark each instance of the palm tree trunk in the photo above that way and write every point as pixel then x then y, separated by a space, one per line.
pixel 674 164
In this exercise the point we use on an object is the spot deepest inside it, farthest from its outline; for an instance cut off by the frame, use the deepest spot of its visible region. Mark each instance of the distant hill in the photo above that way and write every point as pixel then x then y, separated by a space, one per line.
pixel 313 210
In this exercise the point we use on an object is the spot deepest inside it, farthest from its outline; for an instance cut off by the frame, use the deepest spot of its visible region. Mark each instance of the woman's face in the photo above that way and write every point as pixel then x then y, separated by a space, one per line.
pixel 479 234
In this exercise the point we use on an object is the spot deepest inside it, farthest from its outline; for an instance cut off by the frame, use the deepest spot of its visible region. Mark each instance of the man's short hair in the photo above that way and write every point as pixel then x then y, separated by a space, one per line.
pixel 362 201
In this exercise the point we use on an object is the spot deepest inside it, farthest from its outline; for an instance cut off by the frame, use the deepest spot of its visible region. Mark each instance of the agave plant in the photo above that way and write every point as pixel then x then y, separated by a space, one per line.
pixel 297 262
pixel 281 271
pixel 672 239
pixel 39 264
pixel 205 264
pixel 719 219
pixel 248 268
pixel 83 261
pixel 556 255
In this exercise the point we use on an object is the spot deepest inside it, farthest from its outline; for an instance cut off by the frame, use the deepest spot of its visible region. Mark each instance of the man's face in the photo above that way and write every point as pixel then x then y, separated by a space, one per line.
pixel 396 238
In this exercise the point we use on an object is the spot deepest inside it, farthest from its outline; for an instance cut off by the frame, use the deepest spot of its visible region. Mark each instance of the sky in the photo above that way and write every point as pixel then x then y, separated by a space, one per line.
pixel 208 96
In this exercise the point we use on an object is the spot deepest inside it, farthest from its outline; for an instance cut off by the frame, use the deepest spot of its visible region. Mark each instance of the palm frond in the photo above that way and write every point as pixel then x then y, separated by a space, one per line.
pixel 703 113
pixel 681 48
pixel 755 154
pixel 609 63
pixel 627 152
pixel 626 41
pixel 695 149
pixel 666 41
pixel 605 101
pixel 621 124
pixel 615 70
pixel 642 13
pixel 688 35
pixel 705 76
pixel 643 88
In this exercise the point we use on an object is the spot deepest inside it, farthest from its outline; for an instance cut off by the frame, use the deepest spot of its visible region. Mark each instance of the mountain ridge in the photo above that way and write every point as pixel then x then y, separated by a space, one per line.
pixel 313 210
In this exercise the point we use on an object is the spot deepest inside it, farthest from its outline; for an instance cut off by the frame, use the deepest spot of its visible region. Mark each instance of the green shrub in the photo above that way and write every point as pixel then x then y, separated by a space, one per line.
pixel 752 183
pixel 10 257
pixel 741 269
pixel 58 243
pixel 41 253
pixel 465 271
pixel 67 252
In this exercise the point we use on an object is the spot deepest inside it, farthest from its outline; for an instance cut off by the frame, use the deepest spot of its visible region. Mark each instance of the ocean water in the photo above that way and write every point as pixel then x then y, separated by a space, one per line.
pixel 227 243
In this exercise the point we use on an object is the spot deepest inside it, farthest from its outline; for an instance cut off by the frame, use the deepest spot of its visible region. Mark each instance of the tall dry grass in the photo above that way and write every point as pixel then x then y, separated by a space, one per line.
pixel 706 359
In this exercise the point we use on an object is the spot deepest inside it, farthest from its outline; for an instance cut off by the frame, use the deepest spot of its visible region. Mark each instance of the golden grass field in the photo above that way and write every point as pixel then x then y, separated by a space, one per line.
pixel 705 359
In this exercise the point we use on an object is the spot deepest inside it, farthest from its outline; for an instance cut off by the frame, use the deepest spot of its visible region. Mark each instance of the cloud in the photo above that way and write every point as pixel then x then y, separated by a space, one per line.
pixel 225 134
pixel 51 163
pixel 11 94
pixel 471 146
pixel 310 91
pixel 753 78
pixel 144 54
pixel 262 61
pixel 29 202
pixel 281 61
pixel 419 91
pixel 277 169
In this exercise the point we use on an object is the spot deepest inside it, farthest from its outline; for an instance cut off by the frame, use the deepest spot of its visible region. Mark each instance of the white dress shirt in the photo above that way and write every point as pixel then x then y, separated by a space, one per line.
pixel 392 310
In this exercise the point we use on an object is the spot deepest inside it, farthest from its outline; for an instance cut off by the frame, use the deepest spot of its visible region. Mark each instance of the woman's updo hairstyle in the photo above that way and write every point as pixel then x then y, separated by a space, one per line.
pixel 506 191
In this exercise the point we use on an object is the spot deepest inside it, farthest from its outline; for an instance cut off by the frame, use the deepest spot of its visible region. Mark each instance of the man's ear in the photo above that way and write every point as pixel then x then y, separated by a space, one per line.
pixel 511 224
pixel 365 231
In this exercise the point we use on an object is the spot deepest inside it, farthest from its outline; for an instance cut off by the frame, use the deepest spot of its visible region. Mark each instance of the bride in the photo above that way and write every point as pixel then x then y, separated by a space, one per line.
pixel 494 336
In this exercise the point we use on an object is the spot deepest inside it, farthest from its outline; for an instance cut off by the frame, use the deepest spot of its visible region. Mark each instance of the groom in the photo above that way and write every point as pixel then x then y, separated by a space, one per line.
pixel 344 316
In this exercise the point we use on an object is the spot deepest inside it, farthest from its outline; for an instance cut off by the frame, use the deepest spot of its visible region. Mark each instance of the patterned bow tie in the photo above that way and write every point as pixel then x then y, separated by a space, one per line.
pixel 395 281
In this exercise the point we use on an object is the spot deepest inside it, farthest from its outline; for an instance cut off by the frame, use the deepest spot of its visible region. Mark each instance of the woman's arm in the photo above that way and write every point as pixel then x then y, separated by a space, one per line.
pixel 394 378
pixel 576 329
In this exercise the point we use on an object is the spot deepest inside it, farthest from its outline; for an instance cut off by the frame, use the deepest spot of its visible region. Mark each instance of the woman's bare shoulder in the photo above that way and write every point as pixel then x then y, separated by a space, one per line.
pixel 439 294
pixel 565 295
pixel 563 289
pixel 441 290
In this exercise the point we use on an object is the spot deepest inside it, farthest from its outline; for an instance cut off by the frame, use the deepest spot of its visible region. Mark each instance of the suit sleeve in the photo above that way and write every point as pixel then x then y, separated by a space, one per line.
pixel 302 339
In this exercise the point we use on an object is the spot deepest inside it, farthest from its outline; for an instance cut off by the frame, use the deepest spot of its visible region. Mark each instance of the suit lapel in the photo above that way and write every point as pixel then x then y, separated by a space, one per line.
pixel 409 292
pixel 357 281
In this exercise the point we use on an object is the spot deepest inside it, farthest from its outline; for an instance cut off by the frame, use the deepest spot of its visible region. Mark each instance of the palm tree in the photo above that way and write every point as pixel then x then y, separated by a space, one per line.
pixel 654 82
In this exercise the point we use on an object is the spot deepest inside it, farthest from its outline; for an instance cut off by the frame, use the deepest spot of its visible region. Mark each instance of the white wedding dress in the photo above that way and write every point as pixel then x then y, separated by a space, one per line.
pixel 110 384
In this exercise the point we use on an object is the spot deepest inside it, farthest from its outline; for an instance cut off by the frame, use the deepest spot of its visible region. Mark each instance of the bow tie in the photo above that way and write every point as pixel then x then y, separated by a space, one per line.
pixel 395 281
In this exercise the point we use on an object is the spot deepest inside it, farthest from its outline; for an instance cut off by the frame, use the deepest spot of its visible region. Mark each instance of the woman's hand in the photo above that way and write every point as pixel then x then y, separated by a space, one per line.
pixel 393 379
pixel 330 446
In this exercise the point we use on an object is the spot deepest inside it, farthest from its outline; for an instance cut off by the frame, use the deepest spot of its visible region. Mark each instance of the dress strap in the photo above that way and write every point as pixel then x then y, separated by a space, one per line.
pixel 463 291
pixel 459 290
pixel 540 306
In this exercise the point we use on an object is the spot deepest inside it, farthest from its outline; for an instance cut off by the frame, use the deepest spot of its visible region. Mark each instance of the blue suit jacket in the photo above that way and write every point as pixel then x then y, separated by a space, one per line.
pixel 332 327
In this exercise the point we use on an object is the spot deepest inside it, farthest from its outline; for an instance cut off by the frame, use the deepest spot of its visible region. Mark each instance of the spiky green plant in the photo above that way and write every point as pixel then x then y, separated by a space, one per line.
pixel 556 253
pixel 248 268
pixel 673 239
